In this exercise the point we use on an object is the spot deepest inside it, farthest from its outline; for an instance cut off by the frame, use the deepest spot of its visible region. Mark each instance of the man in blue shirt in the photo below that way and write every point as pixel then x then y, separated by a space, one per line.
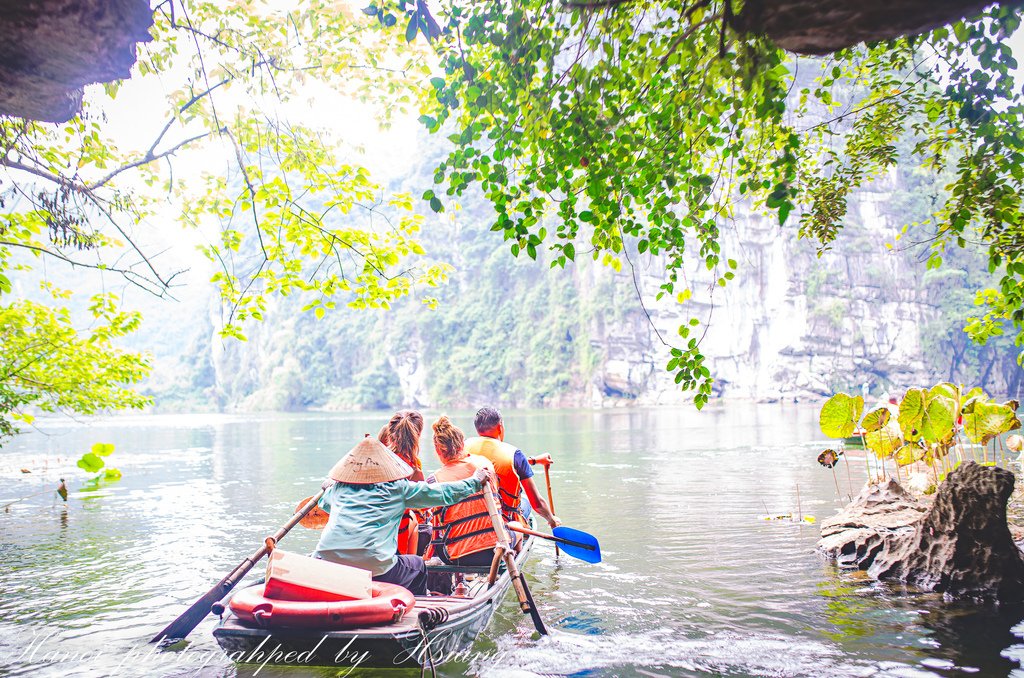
pixel 515 475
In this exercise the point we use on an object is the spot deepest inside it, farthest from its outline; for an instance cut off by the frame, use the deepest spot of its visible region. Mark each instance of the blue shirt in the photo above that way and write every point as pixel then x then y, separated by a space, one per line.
pixel 363 527
pixel 522 465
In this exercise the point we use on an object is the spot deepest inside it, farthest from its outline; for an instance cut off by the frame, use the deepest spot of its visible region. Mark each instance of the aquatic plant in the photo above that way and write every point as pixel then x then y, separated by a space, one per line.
pixel 926 429
pixel 838 419
pixel 92 461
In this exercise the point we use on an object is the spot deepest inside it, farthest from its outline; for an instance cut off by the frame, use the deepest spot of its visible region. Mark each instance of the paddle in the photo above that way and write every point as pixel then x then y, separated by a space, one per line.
pixel 546 461
pixel 190 618
pixel 518 581
pixel 575 543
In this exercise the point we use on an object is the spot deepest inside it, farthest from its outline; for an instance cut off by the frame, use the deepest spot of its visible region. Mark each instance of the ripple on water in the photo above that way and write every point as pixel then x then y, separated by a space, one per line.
pixel 571 654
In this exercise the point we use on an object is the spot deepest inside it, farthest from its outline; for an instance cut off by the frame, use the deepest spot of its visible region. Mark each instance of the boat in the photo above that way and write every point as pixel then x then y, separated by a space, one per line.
pixel 436 629
pixel 856 440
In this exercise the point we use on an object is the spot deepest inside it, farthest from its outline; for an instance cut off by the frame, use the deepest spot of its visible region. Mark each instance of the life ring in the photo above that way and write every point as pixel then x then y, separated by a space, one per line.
pixel 388 604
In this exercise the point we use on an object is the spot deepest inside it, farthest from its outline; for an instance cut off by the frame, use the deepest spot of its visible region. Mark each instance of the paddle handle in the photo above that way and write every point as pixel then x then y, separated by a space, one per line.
pixel 190 618
pixel 551 499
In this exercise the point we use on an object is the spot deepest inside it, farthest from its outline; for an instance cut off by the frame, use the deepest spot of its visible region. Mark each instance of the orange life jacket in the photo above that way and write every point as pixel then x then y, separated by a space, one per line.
pixel 464 527
pixel 502 455
pixel 408 533
pixel 408 527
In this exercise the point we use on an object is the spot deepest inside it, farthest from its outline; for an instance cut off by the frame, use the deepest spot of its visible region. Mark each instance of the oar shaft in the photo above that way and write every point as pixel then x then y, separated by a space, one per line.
pixel 190 618
pixel 551 499
pixel 518 583
pixel 551 537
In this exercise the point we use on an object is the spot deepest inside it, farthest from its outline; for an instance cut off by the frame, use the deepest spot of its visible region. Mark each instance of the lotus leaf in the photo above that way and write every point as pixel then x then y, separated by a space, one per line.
pixel 940 415
pixel 976 392
pixel 102 449
pixel 840 414
pixel 828 458
pixel 876 419
pixel 986 420
pixel 884 441
pixel 946 389
pixel 969 404
pixel 112 474
pixel 909 453
pixel 912 412
pixel 90 462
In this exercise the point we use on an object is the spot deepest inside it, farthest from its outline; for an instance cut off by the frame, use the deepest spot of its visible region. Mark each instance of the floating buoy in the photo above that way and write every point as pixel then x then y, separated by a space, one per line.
pixel 389 604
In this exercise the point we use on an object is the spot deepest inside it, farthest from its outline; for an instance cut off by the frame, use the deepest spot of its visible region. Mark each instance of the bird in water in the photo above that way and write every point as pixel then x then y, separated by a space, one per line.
pixel 63 490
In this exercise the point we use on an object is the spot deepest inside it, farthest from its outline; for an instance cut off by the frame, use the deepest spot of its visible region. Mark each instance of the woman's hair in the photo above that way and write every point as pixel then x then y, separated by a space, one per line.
pixel 403 436
pixel 382 435
pixel 448 439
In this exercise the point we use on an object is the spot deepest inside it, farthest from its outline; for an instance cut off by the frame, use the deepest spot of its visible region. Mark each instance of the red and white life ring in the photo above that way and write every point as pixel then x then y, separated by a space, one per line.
pixel 388 604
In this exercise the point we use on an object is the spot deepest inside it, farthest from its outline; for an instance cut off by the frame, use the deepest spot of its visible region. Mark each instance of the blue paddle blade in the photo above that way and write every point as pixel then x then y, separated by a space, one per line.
pixel 578 544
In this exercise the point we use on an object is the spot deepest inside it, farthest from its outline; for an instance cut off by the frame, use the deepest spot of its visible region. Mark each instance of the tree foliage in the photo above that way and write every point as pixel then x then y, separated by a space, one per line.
pixel 636 128
pixel 48 364
pixel 282 206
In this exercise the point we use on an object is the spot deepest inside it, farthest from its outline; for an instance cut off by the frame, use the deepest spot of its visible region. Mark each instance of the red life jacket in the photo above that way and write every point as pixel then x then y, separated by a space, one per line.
pixel 408 533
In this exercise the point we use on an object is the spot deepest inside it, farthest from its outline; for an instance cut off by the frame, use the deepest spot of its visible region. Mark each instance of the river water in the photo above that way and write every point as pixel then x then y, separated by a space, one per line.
pixel 693 581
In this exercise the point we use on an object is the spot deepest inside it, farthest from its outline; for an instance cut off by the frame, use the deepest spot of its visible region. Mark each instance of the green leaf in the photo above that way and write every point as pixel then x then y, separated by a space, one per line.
pixel 784 210
pixel 102 449
pixel 90 463
pixel 909 453
pixel 940 415
pixel 912 412
pixel 112 474
pixel 840 414
pixel 884 441
pixel 986 420
pixel 876 419
pixel 412 28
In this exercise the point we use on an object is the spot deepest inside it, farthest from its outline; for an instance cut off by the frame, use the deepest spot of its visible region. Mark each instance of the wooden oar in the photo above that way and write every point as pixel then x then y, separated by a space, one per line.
pixel 551 499
pixel 518 582
pixel 190 618
pixel 577 544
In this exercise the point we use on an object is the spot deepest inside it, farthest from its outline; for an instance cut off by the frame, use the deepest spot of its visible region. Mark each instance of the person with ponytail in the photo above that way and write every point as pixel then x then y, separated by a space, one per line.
pixel 463 532
pixel 401 435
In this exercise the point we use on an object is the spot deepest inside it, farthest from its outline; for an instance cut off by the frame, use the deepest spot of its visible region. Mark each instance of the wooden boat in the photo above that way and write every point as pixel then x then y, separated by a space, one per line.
pixel 856 440
pixel 436 629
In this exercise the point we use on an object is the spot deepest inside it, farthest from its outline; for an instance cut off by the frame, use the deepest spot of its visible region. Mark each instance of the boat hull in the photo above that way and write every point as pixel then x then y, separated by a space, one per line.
pixel 405 644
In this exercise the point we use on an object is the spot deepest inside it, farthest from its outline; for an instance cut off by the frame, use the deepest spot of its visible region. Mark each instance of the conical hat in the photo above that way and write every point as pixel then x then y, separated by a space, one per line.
pixel 370 462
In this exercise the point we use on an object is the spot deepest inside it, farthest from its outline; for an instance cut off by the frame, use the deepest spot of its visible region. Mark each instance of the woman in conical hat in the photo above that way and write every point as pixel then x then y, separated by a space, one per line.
pixel 369 494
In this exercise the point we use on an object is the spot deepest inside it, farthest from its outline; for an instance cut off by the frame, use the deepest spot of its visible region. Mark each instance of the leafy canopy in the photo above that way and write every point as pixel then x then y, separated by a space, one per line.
pixel 635 129
pixel 282 208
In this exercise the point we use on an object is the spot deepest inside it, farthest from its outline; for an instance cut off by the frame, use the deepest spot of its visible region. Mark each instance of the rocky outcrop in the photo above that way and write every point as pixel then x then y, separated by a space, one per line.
pixel 960 545
pixel 963 545
pixel 52 48
pixel 878 515
pixel 817 27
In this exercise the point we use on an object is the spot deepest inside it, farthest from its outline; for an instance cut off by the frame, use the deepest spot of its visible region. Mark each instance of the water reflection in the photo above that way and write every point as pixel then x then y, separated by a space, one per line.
pixel 692 583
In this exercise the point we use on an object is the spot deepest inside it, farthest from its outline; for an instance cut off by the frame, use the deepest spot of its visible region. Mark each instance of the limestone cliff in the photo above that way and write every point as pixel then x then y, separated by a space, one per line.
pixel 520 333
